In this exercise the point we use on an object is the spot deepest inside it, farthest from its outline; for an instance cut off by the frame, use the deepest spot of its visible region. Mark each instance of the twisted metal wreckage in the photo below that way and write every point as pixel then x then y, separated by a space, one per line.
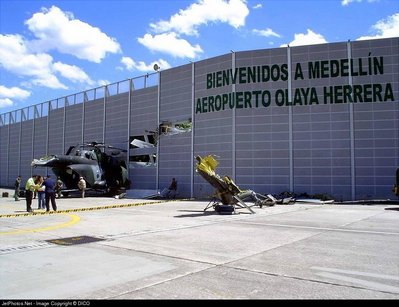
pixel 227 192
pixel 102 166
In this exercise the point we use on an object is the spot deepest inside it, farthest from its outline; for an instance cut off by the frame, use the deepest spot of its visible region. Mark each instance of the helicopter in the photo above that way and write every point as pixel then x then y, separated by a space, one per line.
pixel 226 191
pixel 102 166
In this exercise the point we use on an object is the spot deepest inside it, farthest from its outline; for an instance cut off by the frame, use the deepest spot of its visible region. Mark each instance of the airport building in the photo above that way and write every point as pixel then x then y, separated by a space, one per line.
pixel 317 119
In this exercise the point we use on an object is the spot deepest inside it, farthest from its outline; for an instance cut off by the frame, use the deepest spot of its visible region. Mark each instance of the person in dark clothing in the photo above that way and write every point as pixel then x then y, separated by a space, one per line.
pixel 50 184
pixel 396 185
pixel 17 187
pixel 173 185
pixel 171 191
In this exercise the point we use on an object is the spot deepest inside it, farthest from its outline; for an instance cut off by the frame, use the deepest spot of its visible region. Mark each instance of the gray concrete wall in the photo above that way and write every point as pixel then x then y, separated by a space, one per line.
pixel 298 139
pixel 143 118
pixel 213 131
pixel 175 155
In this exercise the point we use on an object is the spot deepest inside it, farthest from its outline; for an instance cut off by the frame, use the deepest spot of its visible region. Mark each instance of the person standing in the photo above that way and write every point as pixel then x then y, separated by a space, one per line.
pixel 50 193
pixel 396 185
pixel 173 188
pixel 82 186
pixel 30 187
pixel 17 187
pixel 58 187
pixel 171 191
pixel 41 193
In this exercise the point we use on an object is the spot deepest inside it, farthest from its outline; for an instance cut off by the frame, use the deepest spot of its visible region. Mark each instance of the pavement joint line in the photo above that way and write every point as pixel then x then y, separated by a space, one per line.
pixel 229 265
pixel 25 247
pixel 309 279
pixel 115 296
pixel 324 228
pixel 132 234
pixel 90 208
pixel 226 218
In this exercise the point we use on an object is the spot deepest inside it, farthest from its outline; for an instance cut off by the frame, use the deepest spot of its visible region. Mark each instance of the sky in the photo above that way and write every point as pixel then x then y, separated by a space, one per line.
pixel 52 49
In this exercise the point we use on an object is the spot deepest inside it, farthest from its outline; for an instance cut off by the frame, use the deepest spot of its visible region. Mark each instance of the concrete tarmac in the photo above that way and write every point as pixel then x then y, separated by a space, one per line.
pixel 130 249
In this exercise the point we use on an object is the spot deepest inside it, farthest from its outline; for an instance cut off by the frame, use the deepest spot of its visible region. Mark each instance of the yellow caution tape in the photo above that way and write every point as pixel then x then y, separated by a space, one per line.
pixel 89 209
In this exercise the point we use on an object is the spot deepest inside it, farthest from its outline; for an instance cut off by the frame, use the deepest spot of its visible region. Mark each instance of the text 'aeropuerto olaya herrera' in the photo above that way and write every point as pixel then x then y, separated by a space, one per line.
pixel 346 92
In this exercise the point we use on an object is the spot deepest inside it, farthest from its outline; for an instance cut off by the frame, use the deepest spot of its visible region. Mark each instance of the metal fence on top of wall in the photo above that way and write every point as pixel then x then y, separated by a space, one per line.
pixel 52 126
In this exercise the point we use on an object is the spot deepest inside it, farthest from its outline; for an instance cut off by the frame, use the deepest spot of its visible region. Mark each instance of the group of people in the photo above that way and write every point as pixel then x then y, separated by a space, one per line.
pixel 46 189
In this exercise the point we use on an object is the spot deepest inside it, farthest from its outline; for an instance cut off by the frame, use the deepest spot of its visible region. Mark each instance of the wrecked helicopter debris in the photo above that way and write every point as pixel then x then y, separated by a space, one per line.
pixel 227 192
pixel 102 166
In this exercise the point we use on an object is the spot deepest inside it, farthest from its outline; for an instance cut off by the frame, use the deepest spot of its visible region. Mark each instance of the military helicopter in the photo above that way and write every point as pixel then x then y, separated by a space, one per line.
pixel 102 166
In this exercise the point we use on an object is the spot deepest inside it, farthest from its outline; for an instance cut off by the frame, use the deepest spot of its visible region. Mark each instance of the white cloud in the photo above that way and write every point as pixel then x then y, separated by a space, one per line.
pixel 310 38
pixel 130 64
pixel 7 94
pixel 50 81
pixel 72 73
pixel 13 92
pixel 167 37
pixel 385 28
pixel 103 82
pixel 171 44
pixel 59 30
pixel 267 32
pixel 5 102
pixel 16 58
pixel 347 2
pixel 257 6
pixel 187 21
